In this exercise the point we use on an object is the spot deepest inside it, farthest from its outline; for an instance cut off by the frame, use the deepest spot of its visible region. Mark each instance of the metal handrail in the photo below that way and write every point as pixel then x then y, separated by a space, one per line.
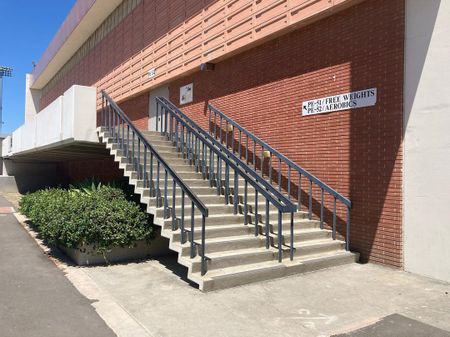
pixel 179 128
pixel 281 158
pixel 116 121
pixel 288 207
pixel 289 162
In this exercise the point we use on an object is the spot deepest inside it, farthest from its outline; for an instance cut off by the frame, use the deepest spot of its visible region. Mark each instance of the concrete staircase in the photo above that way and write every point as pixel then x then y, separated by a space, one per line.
pixel 235 255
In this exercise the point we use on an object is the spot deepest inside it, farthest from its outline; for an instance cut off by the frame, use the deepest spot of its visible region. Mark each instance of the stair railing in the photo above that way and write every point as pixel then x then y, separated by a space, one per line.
pixel 223 128
pixel 207 155
pixel 137 150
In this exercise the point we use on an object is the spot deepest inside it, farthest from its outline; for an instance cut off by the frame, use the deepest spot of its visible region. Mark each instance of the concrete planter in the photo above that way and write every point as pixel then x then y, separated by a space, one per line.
pixel 84 256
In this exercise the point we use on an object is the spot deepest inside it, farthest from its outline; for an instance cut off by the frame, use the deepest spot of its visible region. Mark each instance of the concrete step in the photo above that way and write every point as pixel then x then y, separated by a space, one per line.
pixel 215 231
pixel 246 256
pixel 304 234
pixel 235 255
pixel 244 274
pixel 220 260
pixel 212 209
pixel 273 217
pixel 217 220
pixel 209 199
pixel 299 225
pixel 227 244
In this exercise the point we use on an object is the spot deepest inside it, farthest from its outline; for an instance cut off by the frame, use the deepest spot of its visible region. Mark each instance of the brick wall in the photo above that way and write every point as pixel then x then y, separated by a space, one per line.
pixel 103 170
pixel 110 60
pixel 136 109
pixel 357 152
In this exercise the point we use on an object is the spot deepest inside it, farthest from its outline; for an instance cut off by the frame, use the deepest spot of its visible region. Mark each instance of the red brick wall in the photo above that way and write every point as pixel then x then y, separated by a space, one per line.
pixel 137 110
pixel 357 152
pixel 104 170
pixel 146 23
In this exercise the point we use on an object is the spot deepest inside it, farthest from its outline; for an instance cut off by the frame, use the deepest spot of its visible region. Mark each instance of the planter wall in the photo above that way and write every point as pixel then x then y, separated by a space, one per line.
pixel 83 256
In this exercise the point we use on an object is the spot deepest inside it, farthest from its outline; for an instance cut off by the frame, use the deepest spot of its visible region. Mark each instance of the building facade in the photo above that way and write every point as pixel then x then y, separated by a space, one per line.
pixel 373 70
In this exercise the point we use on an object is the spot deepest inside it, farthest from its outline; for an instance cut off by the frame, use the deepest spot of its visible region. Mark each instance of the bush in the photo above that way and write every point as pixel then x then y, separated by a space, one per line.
pixel 73 218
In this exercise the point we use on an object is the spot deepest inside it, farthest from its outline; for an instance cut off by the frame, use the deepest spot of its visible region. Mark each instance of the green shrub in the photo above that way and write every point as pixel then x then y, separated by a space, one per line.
pixel 100 216
pixel 120 185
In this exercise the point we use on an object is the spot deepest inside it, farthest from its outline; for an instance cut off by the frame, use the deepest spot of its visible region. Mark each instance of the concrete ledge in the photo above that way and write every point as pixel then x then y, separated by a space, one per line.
pixel 83 256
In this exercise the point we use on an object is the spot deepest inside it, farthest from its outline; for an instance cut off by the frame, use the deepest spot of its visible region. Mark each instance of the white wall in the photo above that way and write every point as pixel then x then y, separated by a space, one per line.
pixel 48 123
pixel 28 136
pixel 32 97
pixel 79 113
pixel 71 117
pixel 6 145
pixel 427 139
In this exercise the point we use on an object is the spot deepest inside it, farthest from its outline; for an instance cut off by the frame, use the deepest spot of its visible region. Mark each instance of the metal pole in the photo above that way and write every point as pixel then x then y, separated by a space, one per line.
pixel 1 103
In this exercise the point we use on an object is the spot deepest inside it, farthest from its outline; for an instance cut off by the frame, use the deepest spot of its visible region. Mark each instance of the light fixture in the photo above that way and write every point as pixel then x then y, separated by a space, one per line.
pixel 208 66
pixel 4 72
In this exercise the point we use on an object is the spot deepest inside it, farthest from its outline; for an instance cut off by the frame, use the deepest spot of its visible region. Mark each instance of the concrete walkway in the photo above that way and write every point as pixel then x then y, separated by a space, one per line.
pixel 153 298
pixel 36 299
pixel 324 303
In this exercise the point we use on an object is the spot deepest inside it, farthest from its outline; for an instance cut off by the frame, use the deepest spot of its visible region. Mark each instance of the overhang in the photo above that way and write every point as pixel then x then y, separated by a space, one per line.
pixel 84 18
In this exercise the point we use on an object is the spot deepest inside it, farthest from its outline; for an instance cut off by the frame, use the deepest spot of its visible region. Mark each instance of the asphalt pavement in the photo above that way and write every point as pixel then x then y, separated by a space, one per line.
pixel 36 299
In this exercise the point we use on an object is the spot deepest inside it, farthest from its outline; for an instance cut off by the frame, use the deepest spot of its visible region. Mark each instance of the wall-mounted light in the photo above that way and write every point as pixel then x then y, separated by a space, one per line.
pixel 207 66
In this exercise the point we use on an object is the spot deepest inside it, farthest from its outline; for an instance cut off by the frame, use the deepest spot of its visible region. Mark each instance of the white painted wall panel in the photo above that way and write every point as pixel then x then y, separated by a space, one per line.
pixel 28 135
pixel 6 145
pixel 48 123
pixel 427 139
pixel 85 113
pixel 72 116
pixel 16 140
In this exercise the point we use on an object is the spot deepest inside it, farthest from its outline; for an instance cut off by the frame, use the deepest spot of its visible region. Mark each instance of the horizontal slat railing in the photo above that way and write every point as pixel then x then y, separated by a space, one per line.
pixel 145 161
pixel 212 159
pixel 226 130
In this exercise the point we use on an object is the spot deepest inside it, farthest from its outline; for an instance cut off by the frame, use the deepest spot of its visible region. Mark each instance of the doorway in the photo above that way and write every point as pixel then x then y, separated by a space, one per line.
pixel 152 120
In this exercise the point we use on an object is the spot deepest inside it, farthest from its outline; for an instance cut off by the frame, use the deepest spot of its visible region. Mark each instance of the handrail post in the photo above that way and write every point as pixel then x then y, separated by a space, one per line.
pixel 151 185
pixel 165 194
pixel 145 166
pixel 245 203
pixel 256 214
pixel 174 218
pixel 321 209
pixel 291 255
pixel 157 192
pixel 157 115
pixel 334 219
pixel 310 200
pixel 203 267
pixel 236 192
pixel 267 225
pixel 102 118
pixel 280 234
pixel 192 253
pixel 182 230
pixel 347 231
pixel 227 184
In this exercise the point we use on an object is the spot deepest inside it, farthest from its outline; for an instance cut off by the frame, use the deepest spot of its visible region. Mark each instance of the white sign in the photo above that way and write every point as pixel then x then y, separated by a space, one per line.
pixel 151 73
pixel 351 100
pixel 187 93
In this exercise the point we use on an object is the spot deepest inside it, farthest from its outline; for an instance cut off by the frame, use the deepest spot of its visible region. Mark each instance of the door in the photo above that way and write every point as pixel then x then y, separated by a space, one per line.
pixel 163 92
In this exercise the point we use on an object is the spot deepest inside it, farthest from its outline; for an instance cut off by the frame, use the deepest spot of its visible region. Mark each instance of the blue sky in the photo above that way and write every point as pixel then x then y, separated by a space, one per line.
pixel 26 28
